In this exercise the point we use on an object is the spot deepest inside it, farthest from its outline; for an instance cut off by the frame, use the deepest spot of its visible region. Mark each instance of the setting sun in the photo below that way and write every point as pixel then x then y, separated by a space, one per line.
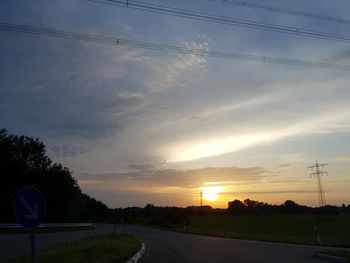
pixel 210 193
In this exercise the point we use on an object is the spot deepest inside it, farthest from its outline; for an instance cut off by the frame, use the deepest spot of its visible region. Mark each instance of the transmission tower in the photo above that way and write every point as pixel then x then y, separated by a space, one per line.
pixel 318 173
pixel 201 197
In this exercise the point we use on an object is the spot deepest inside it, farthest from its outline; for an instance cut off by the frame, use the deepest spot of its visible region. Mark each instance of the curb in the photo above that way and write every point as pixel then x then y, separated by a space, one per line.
pixel 138 254
pixel 331 258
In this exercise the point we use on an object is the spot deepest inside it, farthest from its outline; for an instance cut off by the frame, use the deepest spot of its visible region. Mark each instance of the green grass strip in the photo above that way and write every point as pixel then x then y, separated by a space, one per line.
pixel 10 231
pixel 96 249
pixel 333 230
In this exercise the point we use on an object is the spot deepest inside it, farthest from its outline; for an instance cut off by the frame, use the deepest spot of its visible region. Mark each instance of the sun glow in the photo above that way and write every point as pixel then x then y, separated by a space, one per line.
pixel 210 193
pixel 192 150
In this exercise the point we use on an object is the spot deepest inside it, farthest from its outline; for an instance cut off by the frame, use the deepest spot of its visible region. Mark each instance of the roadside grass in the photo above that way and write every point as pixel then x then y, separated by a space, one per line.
pixel 96 249
pixel 333 230
pixel 7 231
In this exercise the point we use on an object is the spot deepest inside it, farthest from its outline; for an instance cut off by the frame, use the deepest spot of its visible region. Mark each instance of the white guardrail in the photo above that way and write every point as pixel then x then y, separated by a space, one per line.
pixel 47 225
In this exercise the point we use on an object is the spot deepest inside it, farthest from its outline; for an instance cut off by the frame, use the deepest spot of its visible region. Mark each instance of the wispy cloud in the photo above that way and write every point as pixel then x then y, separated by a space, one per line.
pixel 175 71
pixel 296 158
pixel 146 176
pixel 66 150
pixel 343 158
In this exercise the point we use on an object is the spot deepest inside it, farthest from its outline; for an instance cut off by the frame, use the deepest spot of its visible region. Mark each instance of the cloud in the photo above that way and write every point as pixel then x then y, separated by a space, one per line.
pixel 147 167
pixel 146 176
pixel 297 158
pixel 76 89
pixel 66 150
pixel 158 185
pixel 176 71
pixel 131 95
pixel 296 191
pixel 166 186
pixel 234 127
pixel 343 158
pixel 340 56
pixel 284 165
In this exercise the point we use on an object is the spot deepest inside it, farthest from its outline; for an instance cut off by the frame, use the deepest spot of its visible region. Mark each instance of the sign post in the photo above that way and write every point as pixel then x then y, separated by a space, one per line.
pixel 30 211
pixel 32 247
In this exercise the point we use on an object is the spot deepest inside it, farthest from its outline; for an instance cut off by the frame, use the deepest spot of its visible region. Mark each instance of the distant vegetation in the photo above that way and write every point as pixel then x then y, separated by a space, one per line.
pixel 172 216
pixel 23 162
pixel 251 207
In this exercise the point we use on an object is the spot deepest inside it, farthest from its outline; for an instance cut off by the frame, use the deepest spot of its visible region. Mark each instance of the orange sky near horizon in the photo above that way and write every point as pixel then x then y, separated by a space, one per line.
pixel 223 184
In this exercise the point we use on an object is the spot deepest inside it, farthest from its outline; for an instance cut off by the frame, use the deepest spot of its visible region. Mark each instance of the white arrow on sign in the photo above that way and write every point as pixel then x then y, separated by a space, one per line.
pixel 33 213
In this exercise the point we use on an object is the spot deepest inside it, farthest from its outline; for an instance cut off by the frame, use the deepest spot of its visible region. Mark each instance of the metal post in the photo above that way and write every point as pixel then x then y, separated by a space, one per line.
pixel 32 247
pixel 317 234
pixel 115 227
pixel 115 222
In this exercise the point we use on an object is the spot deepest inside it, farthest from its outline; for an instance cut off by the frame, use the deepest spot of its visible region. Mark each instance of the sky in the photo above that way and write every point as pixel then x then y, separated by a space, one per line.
pixel 140 126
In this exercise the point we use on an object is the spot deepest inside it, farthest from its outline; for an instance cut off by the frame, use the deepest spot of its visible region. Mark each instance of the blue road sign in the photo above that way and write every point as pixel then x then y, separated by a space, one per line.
pixel 29 207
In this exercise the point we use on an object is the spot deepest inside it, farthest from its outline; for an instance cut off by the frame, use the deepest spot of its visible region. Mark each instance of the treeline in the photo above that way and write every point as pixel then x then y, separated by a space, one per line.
pixel 169 216
pixel 23 162
pixel 151 215
pixel 249 207
pixel 162 215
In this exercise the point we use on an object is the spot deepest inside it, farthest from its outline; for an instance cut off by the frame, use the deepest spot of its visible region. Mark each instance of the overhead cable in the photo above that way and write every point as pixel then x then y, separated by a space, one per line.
pixel 274 9
pixel 155 8
pixel 46 31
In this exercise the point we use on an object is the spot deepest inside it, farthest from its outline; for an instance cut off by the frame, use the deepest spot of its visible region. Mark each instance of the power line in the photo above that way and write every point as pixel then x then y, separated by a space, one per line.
pixel 161 9
pixel 318 173
pixel 46 31
pixel 292 12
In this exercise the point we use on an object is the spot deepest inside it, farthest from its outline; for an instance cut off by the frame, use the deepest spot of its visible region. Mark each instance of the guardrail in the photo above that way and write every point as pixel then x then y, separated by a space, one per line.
pixel 47 225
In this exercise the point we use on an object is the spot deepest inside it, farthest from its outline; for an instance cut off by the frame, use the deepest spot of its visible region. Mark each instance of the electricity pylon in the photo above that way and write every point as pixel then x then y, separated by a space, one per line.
pixel 201 197
pixel 318 173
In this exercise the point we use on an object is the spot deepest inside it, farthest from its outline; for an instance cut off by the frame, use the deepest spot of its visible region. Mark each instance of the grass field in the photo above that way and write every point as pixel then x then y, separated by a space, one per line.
pixel 97 249
pixel 334 230
pixel 7 231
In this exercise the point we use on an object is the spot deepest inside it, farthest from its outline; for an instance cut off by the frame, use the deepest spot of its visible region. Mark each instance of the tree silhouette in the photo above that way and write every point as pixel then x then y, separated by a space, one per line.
pixel 23 161
pixel 237 207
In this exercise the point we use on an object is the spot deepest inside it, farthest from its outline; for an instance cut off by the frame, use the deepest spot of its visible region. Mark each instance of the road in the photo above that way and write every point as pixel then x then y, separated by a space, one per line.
pixel 166 246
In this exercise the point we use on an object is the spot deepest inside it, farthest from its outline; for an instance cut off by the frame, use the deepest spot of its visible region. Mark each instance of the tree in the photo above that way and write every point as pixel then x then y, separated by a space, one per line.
pixel 290 207
pixel 23 161
pixel 236 207
pixel 328 210
pixel 253 207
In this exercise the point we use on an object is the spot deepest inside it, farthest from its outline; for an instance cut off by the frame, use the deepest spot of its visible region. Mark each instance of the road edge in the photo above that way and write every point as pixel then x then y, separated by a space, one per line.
pixel 138 254
pixel 330 258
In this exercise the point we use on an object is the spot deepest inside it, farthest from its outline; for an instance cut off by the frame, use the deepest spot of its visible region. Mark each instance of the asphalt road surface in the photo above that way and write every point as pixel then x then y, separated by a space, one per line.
pixel 167 246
